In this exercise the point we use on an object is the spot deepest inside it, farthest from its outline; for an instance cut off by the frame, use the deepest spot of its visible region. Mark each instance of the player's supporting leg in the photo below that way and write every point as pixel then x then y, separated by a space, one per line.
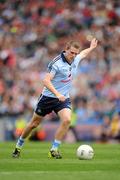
pixel 65 116
pixel 36 119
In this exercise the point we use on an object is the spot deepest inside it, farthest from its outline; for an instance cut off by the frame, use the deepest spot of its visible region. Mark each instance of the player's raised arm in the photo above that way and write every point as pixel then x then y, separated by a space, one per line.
pixel 85 52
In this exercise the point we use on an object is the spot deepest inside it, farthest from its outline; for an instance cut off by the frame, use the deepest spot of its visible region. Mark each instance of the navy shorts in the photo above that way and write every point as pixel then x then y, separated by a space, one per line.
pixel 46 105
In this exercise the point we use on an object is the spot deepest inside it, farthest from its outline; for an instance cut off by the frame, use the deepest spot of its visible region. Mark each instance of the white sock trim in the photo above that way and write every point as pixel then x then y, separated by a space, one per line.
pixel 57 141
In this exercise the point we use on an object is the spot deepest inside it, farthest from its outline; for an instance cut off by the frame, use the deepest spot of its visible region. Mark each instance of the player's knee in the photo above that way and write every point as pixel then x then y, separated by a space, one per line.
pixel 34 124
pixel 66 122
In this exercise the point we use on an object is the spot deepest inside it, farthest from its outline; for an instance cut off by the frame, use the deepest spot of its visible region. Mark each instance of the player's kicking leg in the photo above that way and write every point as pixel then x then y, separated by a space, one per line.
pixel 36 119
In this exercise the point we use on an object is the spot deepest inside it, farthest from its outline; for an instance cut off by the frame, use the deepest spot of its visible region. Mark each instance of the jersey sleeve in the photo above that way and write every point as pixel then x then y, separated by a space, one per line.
pixel 52 68
pixel 77 59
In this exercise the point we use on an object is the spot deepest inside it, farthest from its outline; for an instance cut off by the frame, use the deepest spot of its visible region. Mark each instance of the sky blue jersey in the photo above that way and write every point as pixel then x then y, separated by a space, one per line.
pixel 63 73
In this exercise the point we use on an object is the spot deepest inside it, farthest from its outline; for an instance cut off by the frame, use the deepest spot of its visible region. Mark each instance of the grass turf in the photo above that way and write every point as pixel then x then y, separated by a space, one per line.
pixel 34 163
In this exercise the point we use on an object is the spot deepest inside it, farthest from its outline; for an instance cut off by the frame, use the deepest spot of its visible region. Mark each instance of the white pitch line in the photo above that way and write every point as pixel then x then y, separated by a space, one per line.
pixel 48 172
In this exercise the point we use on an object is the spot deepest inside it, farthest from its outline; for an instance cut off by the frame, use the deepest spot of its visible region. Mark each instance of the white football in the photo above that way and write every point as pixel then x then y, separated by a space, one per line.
pixel 85 152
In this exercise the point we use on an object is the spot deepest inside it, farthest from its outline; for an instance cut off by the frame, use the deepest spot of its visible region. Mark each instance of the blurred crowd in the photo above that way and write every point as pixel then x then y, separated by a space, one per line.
pixel 34 32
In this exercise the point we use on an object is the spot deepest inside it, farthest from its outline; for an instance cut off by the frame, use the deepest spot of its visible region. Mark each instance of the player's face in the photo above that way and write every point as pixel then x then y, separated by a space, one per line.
pixel 71 53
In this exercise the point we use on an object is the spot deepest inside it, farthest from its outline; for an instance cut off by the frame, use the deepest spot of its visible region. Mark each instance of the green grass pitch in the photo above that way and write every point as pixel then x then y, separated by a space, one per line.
pixel 34 163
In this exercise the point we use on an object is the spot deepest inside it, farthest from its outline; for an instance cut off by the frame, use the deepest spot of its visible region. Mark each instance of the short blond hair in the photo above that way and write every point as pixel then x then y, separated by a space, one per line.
pixel 74 44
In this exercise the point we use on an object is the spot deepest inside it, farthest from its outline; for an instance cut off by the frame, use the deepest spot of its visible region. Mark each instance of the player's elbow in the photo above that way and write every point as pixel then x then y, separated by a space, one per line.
pixel 45 81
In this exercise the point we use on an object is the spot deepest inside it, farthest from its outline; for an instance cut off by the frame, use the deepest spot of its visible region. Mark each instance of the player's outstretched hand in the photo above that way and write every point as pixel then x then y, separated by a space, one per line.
pixel 94 43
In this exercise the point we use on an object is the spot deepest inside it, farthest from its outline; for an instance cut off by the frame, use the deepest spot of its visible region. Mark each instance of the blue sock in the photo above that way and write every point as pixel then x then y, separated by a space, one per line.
pixel 20 143
pixel 55 145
